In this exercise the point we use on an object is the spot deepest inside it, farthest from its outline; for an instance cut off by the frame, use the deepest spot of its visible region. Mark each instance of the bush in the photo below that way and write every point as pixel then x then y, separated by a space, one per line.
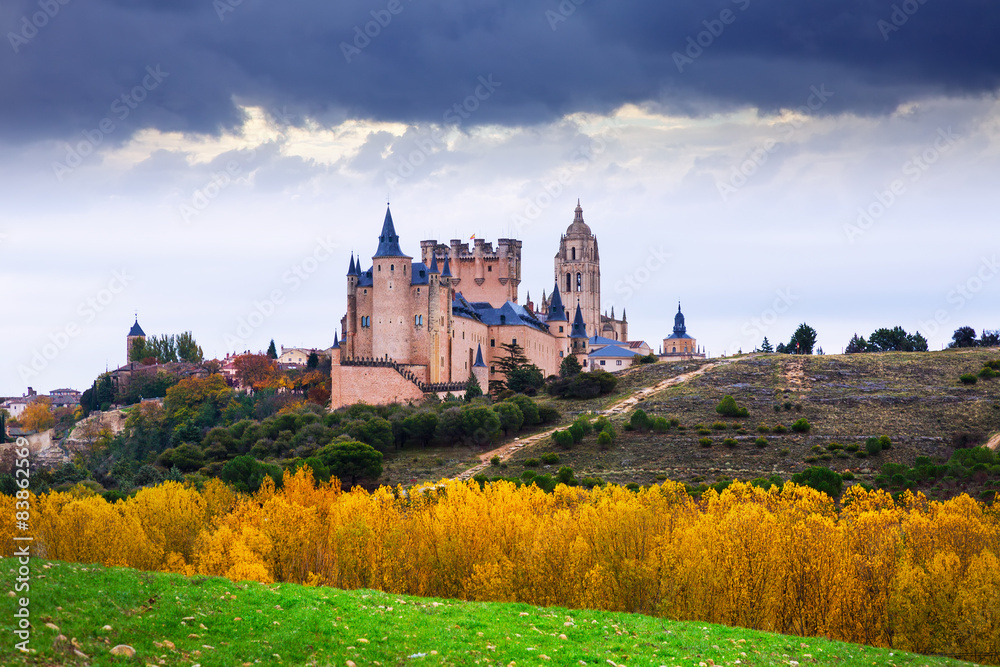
pixel 563 439
pixel 761 441
pixel 703 431
pixel 886 442
pixel 639 420
pixel 245 474
pixel 780 428
pixel 727 407
pixel 547 414
pixel 763 428
pixel 705 442
pixel 729 442
pixel 873 445
pixel 604 440
pixel 661 424
pixel 576 430
pixel 528 475
pixel 550 459
pixel 674 421
pixel 847 476
pixel 968 378
pixel 531 463
pixel 861 454
pixel 853 447
pixel 801 425
pixel 988 373
pixel 584 385
pixel 822 479
pixel 495 461
pixel 718 426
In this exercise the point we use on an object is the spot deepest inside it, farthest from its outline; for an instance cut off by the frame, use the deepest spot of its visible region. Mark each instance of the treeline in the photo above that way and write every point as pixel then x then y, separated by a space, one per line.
pixel 166 349
pixel 913 575
pixel 203 424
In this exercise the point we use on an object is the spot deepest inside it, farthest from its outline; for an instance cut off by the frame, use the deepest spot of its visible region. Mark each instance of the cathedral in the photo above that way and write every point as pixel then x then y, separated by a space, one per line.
pixel 414 327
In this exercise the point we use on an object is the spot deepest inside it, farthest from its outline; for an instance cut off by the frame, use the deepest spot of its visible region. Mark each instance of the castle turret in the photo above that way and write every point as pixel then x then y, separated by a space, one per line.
pixel 391 295
pixel 579 338
pixel 480 371
pixel 134 334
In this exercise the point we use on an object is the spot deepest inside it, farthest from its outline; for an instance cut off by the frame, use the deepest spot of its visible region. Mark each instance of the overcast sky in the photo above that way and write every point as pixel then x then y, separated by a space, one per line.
pixel 212 164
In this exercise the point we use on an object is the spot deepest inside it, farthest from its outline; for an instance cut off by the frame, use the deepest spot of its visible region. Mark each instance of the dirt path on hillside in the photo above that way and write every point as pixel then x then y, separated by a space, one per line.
pixel 795 375
pixel 506 451
pixel 993 442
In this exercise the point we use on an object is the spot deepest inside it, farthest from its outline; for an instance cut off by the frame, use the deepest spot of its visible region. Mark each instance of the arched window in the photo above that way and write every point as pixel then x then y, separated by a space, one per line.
pixel 392 267
pixel 569 286
pixel 579 282
pixel 573 252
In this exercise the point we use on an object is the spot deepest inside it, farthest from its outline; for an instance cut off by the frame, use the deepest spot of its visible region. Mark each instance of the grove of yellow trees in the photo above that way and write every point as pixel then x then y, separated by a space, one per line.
pixel 914 574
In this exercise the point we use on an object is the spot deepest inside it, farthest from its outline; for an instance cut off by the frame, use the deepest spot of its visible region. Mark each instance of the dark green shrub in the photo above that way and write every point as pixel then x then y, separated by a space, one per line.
pixel 633 486
pixel 853 447
pixel 674 421
pixel 801 425
pixel 834 446
pixel 763 428
pixel 563 439
pixel 528 475
pixel 968 378
pixel 639 420
pixel 529 409
pixel 729 442
pixel 661 425
pixel 703 431
pixel 566 476
pixel 531 463
pixel 495 461
pixel 550 458
pixel 987 373
pixel 604 440
pixel 576 431
pixel 718 426
pixel 591 482
pixel 885 441
pixel 584 423
pixel 761 442
pixel 547 414
pixel 861 454
pixel 821 479
pixel 727 407
pixel 780 428
pixel 873 445
pixel 705 442
pixel 817 449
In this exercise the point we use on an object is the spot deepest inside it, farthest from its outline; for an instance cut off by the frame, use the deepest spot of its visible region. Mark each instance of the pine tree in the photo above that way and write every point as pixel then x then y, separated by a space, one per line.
pixel 272 351
pixel 766 346
pixel 472 388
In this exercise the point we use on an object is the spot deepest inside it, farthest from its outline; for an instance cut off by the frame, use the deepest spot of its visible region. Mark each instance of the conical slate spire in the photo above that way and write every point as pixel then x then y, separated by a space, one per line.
pixel 434 264
pixel 136 330
pixel 336 341
pixel 579 327
pixel 479 358
pixel 556 311
pixel 388 240
pixel 446 273
pixel 350 269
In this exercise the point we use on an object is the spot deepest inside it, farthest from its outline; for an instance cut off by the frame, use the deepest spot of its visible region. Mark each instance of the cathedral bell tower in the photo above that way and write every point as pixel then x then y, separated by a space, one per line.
pixel 578 270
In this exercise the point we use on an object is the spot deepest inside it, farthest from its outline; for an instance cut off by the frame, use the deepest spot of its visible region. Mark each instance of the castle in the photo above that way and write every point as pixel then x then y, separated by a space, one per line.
pixel 413 328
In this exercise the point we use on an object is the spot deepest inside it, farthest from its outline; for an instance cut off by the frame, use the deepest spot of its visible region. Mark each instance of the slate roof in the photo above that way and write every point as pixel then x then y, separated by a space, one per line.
pixel 579 327
pixel 612 351
pixel 509 314
pixel 601 340
pixel 388 240
pixel 556 311
pixel 419 273
pixel 136 330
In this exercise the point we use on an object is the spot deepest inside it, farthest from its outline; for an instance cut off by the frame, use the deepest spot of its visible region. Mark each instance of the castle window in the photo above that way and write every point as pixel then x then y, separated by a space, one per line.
pixel 513 341
pixel 560 329
pixel 366 291
pixel 602 362
pixel 560 353
pixel 493 369
pixel 569 287
pixel 493 342
pixel 574 252
pixel 380 268
pixel 418 320
pixel 490 269
pixel 619 362
pixel 579 282
pixel 392 267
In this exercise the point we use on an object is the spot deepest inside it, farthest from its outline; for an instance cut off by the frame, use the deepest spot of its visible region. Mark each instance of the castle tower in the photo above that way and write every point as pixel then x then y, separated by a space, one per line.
pixel 391 296
pixel 348 323
pixel 578 269
pixel 135 333
pixel 480 371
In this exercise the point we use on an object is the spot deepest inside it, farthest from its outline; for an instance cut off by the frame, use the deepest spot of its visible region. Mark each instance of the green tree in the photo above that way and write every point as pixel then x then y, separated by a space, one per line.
pixel 245 474
pixel 569 366
pixel 313 360
pixel 821 479
pixel 896 340
pixel 519 375
pixel 511 417
pixel 963 337
pixel 727 407
pixel 766 346
pixel 803 340
pixel 472 388
pixel 528 407
pixel 138 350
pixel 856 345
pixel 351 460
pixel 272 351
pixel 376 432
pixel 480 424
pixel 421 426
pixel 187 349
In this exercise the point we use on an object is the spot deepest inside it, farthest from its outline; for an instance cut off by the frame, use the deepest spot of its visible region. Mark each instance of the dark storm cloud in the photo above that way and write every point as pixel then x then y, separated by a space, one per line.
pixel 84 66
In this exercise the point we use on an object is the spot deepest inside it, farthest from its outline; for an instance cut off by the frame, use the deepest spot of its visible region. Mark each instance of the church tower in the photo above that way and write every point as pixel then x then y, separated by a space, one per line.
pixel 578 270
pixel 134 334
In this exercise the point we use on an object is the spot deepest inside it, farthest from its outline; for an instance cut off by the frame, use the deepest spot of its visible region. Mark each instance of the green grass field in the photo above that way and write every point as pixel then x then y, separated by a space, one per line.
pixel 175 620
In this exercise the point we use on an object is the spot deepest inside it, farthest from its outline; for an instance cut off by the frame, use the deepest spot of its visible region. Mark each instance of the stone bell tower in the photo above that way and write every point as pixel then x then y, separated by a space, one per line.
pixel 578 271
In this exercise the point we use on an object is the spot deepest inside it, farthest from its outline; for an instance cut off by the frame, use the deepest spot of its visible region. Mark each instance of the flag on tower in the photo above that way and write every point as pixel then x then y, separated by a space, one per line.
pixel 472 238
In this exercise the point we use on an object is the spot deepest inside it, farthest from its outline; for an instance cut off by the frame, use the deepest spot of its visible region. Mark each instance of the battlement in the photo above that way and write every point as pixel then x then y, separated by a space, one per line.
pixel 480 272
